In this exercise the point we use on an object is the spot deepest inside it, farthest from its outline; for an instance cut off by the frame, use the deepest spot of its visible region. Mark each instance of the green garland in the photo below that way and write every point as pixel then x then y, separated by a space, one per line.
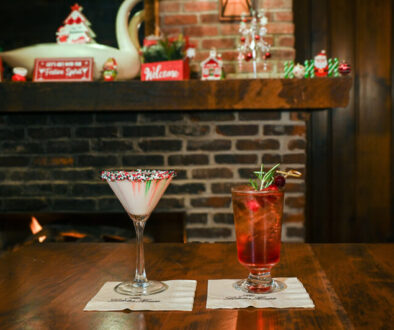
pixel 164 50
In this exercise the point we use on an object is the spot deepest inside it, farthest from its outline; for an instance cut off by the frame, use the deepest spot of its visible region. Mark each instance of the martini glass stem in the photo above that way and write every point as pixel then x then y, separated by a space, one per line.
pixel 140 279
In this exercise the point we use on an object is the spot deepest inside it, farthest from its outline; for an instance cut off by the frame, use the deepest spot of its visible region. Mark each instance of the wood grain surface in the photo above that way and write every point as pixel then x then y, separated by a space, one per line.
pixel 177 95
pixel 47 286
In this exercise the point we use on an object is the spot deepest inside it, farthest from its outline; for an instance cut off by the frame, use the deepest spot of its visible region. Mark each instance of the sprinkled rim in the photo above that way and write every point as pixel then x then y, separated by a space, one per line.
pixel 137 175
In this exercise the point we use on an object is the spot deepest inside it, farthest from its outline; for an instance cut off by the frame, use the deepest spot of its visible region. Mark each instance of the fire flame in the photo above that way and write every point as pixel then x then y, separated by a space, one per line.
pixel 74 234
pixel 35 228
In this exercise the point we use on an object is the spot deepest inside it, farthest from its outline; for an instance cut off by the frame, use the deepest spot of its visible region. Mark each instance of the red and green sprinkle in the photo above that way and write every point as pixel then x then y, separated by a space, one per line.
pixel 137 175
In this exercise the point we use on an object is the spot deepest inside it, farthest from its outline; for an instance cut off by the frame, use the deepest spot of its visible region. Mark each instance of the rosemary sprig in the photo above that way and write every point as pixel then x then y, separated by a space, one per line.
pixel 265 178
pixel 254 184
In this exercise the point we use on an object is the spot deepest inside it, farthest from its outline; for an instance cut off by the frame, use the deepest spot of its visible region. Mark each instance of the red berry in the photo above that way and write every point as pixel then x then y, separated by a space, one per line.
pixel 253 205
pixel 279 181
pixel 273 187
pixel 267 55
pixel 257 37
pixel 243 39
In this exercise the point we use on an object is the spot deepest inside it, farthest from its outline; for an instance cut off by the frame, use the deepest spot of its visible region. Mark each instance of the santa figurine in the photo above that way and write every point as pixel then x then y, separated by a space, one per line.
pixel 321 64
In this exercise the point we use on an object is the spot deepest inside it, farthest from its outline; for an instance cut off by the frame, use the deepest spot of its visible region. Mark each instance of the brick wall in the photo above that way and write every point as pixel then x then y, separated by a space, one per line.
pixel 200 21
pixel 51 162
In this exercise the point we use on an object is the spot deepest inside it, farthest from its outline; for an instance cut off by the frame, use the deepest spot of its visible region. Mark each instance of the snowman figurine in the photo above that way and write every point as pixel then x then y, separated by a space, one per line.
pixel 321 64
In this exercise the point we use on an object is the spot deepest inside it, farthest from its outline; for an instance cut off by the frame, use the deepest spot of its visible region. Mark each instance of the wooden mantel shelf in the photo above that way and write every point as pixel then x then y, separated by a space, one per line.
pixel 318 93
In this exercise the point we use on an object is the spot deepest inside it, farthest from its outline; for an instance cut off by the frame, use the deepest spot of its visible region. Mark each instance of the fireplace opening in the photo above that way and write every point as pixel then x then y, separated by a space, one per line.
pixel 40 228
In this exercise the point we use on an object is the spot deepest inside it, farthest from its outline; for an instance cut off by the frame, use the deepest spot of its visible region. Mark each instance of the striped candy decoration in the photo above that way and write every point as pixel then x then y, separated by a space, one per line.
pixel 289 66
pixel 333 64
pixel 309 68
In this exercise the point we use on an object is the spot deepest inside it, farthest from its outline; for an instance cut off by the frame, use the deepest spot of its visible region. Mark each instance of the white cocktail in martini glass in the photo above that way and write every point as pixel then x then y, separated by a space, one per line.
pixel 139 191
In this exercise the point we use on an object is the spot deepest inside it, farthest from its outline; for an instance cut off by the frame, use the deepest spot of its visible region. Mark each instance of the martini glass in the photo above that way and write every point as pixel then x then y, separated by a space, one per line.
pixel 139 192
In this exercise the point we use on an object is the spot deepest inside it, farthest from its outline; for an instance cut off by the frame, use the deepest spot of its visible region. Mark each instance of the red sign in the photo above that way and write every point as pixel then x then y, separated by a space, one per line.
pixel 168 70
pixel 63 69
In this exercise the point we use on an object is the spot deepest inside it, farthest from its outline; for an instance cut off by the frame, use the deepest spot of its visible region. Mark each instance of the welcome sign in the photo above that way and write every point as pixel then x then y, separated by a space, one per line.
pixel 167 70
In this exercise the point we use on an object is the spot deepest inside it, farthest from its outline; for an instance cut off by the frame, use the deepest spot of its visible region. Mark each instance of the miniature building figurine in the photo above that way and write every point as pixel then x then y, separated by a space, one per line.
pixel 211 68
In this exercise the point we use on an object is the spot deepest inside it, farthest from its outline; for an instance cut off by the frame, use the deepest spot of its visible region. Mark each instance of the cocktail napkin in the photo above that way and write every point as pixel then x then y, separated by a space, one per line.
pixel 222 294
pixel 178 297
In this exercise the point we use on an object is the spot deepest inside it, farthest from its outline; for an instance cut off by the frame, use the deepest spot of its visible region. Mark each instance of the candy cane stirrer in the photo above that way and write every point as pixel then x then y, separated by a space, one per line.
pixel 292 173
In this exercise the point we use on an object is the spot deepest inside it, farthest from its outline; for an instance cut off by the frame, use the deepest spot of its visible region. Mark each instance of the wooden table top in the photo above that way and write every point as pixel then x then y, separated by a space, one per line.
pixel 46 286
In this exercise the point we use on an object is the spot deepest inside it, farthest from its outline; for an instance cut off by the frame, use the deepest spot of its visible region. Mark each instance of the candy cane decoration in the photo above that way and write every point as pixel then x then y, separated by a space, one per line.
pixel 309 69
pixel 289 66
pixel 333 64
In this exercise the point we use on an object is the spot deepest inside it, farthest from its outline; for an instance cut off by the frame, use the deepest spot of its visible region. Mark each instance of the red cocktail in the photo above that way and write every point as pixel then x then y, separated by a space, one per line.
pixel 258 223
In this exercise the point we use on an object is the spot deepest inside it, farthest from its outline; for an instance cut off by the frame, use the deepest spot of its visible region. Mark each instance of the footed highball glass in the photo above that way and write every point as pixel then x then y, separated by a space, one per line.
pixel 258 223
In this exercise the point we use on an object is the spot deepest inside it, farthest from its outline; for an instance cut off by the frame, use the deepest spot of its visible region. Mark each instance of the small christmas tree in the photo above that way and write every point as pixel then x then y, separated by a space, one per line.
pixel 76 28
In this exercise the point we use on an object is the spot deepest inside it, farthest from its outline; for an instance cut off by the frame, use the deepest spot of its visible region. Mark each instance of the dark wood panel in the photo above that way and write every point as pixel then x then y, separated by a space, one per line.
pixel 319 142
pixel 391 239
pixel 150 17
pixel 302 28
pixel 350 153
pixel 318 179
pixel 373 57
pixel 343 162
pixel 176 95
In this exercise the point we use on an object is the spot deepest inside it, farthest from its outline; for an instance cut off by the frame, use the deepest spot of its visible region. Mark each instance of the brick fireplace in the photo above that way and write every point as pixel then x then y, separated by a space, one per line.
pixel 51 162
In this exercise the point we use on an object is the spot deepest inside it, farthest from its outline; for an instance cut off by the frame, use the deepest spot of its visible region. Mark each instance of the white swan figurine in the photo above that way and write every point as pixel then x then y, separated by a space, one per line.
pixel 126 56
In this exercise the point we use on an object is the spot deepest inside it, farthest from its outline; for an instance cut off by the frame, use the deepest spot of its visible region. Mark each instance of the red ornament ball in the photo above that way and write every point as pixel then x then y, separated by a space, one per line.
pixel 243 39
pixel 344 68
pixel 257 37
pixel 267 55
pixel 248 56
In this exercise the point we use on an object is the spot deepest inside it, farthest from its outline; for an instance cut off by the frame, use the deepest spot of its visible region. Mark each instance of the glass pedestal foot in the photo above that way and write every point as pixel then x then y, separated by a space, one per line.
pixel 140 289
pixel 249 286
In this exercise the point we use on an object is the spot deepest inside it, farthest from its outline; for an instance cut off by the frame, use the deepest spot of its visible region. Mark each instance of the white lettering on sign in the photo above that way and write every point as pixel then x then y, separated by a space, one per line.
pixel 53 72
pixel 73 72
pixel 157 73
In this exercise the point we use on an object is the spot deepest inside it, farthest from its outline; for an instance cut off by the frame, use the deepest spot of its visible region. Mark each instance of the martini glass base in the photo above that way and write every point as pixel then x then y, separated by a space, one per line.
pixel 140 289
pixel 251 287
